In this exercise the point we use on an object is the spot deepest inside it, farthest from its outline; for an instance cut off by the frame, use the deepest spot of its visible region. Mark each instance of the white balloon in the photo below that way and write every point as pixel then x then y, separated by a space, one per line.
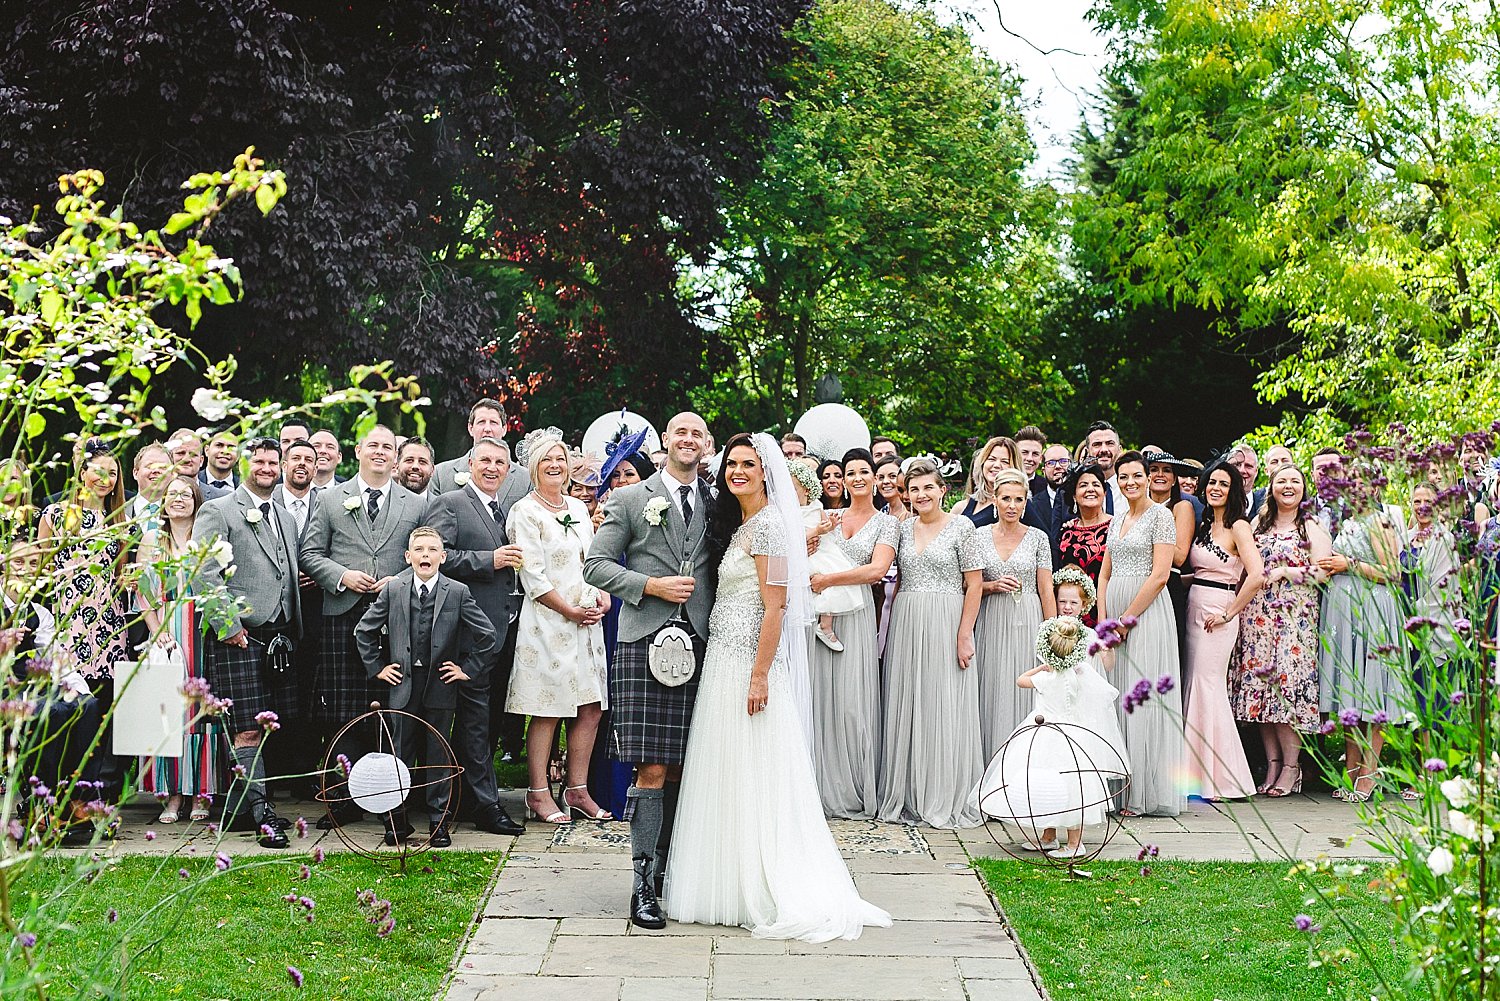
pixel 831 429
pixel 604 428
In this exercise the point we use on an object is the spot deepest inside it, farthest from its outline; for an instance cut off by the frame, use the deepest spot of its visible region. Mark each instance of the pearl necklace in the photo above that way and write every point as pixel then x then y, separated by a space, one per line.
pixel 563 506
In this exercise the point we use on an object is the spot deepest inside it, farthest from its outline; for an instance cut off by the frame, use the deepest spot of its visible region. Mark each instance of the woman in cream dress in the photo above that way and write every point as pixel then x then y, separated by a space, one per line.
pixel 560 669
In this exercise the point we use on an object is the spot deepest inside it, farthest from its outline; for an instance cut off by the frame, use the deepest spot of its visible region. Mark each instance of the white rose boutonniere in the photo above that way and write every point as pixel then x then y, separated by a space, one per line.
pixel 352 504
pixel 460 479
pixel 253 516
pixel 655 509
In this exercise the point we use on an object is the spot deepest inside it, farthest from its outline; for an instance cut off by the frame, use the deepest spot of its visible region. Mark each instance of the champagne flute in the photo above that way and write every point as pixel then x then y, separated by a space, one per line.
pixel 684 569
pixel 515 576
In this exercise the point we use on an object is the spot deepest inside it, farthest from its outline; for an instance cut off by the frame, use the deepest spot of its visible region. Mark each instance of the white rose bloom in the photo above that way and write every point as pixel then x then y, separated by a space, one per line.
pixel 352 504
pixel 1459 791
pixel 210 404
pixel 1440 861
pixel 252 516
pixel 1463 825
pixel 223 552
pixel 461 479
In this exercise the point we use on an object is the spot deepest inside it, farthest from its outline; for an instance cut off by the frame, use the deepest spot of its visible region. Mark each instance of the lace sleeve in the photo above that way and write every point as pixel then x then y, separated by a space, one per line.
pixel 767 537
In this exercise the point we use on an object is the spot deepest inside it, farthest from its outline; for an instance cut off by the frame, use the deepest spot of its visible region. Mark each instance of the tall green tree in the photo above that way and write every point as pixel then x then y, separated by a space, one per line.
pixel 1330 165
pixel 891 238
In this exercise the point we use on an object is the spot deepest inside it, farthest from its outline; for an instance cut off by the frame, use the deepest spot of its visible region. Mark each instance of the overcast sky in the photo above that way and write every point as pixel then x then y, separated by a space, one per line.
pixel 1058 83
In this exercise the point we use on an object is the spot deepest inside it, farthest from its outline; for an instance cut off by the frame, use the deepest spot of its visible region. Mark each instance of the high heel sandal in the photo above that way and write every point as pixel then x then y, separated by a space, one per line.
pixel 1277 791
pixel 1273 772
pixel 573 808
pixel 552 818
pixel 200 810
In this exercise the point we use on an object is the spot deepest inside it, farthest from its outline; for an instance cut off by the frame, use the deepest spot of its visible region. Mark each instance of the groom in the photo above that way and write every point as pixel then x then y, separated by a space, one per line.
pixel 650 529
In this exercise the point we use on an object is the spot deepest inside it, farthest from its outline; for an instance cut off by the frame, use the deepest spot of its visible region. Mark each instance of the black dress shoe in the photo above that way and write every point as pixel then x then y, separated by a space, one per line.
pixel 440 838
pixel 343 813
pixel 645 909
pixel 494 820
pixel 398 832
pixel 273 831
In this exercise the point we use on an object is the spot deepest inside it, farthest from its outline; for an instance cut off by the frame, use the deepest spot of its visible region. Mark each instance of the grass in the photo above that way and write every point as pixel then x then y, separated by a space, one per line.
pixel 1190 930
pixel 234 937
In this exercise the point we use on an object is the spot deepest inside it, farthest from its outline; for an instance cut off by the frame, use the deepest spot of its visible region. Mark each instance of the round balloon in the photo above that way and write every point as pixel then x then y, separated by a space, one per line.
pixel 831 429
pixel 604 429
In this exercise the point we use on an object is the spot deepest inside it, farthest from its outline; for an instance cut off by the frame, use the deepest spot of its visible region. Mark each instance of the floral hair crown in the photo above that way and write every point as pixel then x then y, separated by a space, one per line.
pixel 1076 577
pixel 540 438
pixel 805 476
pixel 1054 660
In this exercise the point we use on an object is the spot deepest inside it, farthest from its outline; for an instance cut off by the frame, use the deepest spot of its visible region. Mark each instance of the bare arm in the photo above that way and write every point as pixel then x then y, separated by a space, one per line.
pixel 1182 519
pixel 973 591
pixel 1103 585
pixel 1255 569
pixel 1044 591
pixel 773 596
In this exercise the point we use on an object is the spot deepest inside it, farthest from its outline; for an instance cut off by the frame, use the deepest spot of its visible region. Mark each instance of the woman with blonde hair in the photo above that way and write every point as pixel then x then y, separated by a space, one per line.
pixel 997 454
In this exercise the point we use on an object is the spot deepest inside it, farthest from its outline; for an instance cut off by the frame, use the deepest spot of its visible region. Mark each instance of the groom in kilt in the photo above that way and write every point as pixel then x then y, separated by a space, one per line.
pixel 651 529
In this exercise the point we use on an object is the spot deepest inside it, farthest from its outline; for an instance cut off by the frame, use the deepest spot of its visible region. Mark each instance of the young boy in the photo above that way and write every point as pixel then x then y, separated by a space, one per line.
pixel 437 635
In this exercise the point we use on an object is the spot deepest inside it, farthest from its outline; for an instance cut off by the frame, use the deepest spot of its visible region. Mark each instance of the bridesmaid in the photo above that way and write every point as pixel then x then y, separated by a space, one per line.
pixel 932 756
pixel 846 686
pixel 1081 540
pixel 1227 571
pixel 1161 480
pixel 891 480
pixel 996 455
pixel 1362 665
pixel 831 475
pixel 1138 558
pixel 1275 684
pixel 1017 598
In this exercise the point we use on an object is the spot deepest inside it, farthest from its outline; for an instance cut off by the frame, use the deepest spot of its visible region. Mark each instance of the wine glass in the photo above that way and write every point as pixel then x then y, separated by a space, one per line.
pixel 684 569
pixel 515 577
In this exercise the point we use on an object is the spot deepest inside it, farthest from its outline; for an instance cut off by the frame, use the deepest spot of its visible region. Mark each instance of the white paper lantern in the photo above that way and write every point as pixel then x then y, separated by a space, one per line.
pixel 379 782
pixel 831 429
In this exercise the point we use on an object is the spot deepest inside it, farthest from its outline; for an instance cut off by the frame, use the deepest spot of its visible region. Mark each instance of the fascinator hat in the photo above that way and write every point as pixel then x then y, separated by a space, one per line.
pixel 617 451
pixel 537 444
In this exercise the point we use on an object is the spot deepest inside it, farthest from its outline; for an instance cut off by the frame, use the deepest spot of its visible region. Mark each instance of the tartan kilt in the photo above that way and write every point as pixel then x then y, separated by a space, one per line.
pixel 341 690
pixel 648 721
pixel 241 675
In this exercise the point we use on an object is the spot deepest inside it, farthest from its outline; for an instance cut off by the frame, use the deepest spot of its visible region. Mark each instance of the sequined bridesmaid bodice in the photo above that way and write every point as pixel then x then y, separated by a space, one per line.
pixel 938 569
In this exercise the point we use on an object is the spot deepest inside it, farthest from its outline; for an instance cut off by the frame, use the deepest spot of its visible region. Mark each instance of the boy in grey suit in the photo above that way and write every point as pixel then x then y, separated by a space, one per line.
pixel 263 538
pixel 651 530
pixel 438 637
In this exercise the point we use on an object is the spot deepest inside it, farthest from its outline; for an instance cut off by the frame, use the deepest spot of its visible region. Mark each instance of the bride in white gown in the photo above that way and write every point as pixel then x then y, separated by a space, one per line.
pixel 751 846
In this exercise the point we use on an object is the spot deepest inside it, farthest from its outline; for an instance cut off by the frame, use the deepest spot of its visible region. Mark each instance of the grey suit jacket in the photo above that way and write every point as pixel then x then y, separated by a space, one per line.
pixel 265 563
pixel 444 480
pixel 461 633
pixel 627 549
pixel 471 536
pixel 339 540
pixel 278 496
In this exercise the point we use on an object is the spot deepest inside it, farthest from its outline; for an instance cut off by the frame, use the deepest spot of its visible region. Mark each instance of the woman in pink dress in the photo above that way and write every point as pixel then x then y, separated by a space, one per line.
pixel 1227 572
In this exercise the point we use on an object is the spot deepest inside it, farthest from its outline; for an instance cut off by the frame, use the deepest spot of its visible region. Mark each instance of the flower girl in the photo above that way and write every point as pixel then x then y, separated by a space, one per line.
pixel 1055 773
pixel 828 558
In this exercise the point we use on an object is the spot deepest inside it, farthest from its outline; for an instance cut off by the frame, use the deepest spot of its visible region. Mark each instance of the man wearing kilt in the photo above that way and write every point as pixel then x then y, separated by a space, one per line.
pixel 652 531
pixel 355 544
pixel 240 664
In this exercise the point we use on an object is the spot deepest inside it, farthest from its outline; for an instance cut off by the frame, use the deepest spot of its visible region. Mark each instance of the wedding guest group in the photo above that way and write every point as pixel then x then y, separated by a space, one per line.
pixel 529 604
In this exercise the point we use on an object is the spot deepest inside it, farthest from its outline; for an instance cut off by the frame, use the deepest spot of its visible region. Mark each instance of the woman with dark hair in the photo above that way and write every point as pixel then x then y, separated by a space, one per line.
pixel 1162 469
pixel 891 483
pixel 932 757
pixel 846 685
pixel 1081 539
pixel 1275 682
pixel 831 475
pixel 1141 544
pixel 86 539
pixel 1227 571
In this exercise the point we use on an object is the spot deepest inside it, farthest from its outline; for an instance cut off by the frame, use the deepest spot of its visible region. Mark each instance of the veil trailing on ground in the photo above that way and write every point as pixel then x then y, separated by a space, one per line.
pixel 790 571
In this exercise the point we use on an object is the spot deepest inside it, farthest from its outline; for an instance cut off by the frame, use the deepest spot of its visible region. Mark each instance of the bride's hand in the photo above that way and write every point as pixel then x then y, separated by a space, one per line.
pixel 756 701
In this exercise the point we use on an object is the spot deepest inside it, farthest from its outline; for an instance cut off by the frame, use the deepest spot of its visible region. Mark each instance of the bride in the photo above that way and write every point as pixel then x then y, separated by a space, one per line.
pixel 751 846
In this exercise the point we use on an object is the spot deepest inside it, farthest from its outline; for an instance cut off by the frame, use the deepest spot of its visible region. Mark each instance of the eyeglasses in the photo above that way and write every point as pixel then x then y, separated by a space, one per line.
pixel 1057 462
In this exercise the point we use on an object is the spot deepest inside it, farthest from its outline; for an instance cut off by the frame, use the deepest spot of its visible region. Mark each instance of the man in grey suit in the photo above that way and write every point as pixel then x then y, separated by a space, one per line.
pixel 652 530
pixel 438 638
pixel 299 496
pixel 248 655
pixel 354 546
pixel 486 420
pixel 471 522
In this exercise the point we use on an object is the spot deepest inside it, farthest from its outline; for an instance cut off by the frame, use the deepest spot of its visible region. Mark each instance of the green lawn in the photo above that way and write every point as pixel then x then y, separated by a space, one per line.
pixel 1187 931
pixel 235 938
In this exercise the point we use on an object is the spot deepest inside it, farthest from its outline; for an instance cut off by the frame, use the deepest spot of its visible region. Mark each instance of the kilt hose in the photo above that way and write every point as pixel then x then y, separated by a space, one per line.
pixel 241 675
pixel 341 689
pixel 648 721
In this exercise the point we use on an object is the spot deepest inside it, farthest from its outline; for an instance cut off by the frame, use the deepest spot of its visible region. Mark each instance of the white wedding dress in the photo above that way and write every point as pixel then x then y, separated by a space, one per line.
pixel 750 846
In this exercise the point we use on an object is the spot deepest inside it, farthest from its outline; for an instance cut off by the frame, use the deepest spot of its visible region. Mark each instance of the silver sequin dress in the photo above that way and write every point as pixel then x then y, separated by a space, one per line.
pixel 1005 634
pixel 846 690
pixel 932 755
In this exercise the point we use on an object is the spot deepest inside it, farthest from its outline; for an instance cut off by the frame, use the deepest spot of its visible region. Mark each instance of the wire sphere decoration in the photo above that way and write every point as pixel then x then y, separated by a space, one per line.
pixel 1055 775
pixel 380 782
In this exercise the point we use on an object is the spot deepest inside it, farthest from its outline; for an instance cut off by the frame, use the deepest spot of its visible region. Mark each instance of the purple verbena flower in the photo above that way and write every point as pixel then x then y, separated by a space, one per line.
pixel 296 976
pixel 1165 684
pixel 182 874
pixel 268 721
pixel 222 861
pixel 1303 923
pixel 26 940
pixel 1327 727
pixel 317 854
pixel 1380 716
pixel 303 872
pixel 1349 717
pixel 1456 698
pixel 301 827
pixel 1435 765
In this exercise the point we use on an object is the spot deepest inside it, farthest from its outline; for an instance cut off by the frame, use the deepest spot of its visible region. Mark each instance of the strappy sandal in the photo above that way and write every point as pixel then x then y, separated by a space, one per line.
pixel 1273 772
pixel 552 818
pixel 573 808
pixel 1278 791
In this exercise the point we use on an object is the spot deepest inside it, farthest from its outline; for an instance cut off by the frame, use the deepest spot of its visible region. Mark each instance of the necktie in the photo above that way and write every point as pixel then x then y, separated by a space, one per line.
pixel 421 631
pixel 495 510
pixel 298 507
pixel 267 516
pixel 221 484
pixel 372 506
pixel 687 505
